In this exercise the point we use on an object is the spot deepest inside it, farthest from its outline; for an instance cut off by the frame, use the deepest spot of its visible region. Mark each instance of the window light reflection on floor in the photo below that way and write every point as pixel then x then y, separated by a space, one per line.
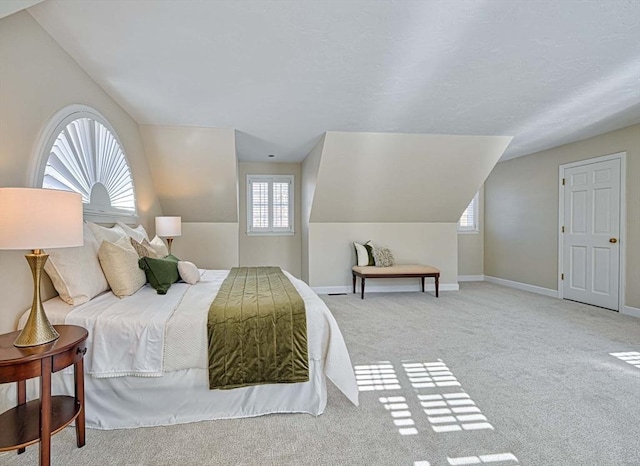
pixel 452 412
pixel 630 357
pixel 430 375
pixel 380 376
pixel 484 459
pixel 400 413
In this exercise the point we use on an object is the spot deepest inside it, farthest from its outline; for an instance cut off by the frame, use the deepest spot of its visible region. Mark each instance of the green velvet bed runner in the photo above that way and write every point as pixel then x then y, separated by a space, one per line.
pixel 257 330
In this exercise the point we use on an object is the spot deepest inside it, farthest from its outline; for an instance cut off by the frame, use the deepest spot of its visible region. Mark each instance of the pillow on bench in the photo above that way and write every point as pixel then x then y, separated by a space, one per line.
pixel 364 254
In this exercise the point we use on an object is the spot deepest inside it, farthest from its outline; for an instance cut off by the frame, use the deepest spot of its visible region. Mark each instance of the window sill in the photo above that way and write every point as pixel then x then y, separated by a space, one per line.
pixel 270 233
pixel 468 232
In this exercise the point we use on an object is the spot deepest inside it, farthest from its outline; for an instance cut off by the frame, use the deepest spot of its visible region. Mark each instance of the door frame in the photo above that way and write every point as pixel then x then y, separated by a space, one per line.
pixel 622 156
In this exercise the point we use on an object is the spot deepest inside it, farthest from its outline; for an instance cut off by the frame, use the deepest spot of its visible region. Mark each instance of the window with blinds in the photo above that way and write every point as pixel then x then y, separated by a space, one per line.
pixel 469 220
pixel 270 204
pixel 87 158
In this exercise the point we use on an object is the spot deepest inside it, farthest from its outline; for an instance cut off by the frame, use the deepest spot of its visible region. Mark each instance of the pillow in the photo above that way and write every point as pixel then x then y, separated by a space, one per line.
pixel 143 249
pixel 138 233
pixel 364 254
pixel 161 273
pixel 120 265
pixel 383 257
pixel 75 272
pixel 188 272
pixel 112 234
pixel 159 247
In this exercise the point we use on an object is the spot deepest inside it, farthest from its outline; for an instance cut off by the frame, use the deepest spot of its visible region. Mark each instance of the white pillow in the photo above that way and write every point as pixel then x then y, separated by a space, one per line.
pixel 119 261
pixel 188 272
pixel 75 272
pixel 159 247
pixel 363 258
pixel 101 233
pixel 138 233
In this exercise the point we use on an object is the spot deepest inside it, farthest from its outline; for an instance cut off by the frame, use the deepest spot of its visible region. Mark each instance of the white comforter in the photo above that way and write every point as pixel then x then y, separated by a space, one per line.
pixel 149 335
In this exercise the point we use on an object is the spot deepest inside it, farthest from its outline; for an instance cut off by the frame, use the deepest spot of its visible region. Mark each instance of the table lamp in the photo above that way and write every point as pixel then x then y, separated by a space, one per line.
pixel 39 219
pixel 168 227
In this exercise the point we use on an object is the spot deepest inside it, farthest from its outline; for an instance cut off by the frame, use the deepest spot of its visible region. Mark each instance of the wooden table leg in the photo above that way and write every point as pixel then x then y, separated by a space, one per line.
pixel 78 369
pixel 22 399
pixel 354 283
pixel 437 279
pixel 45 411
pixel 422 281
pixel 362 287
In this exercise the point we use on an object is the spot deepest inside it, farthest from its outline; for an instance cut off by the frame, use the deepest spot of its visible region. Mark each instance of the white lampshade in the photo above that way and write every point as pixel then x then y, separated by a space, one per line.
pixel 40 218
pixel 169 227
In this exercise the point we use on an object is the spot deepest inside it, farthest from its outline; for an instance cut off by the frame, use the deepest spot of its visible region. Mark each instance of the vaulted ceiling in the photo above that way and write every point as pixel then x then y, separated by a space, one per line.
pixel 281 73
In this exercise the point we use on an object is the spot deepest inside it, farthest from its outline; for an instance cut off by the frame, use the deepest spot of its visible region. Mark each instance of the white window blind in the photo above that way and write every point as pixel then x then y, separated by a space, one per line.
pixel 87 158
pixel 269 204
pixel 469 220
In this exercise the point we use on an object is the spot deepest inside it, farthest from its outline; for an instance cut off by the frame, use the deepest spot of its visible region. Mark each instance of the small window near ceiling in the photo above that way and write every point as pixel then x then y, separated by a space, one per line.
pixel 270 204
pixel 85 156
pixel 468 223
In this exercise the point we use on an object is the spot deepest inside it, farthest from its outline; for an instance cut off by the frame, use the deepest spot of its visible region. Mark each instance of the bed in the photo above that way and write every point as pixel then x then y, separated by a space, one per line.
pixel 146 360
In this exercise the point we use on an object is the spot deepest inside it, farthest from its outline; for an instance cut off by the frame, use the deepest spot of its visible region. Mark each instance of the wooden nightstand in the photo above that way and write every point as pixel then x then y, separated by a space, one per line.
pixel 37 420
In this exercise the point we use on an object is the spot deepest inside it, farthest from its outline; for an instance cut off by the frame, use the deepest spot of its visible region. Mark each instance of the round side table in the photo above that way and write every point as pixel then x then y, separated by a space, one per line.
pixel 37 420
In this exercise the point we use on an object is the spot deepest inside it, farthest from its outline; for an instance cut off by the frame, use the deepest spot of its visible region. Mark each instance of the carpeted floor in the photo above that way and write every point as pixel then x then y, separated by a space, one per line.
pixel 486 375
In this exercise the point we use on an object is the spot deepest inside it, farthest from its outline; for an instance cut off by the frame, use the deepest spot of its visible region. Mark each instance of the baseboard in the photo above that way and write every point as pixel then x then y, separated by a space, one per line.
pixel 630 311
pixel 371 288
pixel 522 286
pixel 470 278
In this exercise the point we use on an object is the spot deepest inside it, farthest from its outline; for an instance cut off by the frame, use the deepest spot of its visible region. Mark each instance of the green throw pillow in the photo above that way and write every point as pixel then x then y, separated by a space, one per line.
pixel 161 273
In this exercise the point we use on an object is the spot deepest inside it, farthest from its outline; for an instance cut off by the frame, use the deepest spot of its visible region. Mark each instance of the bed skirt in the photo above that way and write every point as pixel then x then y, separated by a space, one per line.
pixel 183 396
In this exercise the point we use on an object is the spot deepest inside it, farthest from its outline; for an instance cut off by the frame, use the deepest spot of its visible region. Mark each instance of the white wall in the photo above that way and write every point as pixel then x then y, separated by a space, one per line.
pixel 309 176
pixel 281 250
pixel 332 254
pixel 521 212
pixel 37 79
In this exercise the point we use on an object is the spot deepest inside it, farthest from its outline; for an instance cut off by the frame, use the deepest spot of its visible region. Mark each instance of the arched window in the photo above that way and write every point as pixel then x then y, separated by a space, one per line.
pixel 82 154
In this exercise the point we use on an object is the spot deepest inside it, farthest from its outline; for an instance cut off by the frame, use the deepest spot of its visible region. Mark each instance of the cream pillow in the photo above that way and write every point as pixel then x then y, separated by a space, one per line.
pixel 188 272
pixel 159 247
pixel 138 233
pixel 144 248
pixel 75 272
pixel 101 233
pixel 119 261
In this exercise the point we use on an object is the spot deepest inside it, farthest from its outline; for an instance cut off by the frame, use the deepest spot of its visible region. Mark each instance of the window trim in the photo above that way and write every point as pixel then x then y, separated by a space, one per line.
pixel 475 228
pixel 42 150
pixel 270 231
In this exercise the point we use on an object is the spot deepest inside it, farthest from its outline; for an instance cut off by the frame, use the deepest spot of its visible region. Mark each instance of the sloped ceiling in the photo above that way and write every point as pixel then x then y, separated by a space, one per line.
pixel 283 72
pixel 381 177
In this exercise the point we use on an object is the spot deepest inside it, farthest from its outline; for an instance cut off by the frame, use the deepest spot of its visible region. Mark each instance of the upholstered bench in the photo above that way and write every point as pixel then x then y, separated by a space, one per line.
pixel 395 271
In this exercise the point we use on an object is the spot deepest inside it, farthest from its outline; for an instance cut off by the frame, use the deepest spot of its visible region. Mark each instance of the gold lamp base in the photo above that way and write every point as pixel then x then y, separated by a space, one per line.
pixel 38 330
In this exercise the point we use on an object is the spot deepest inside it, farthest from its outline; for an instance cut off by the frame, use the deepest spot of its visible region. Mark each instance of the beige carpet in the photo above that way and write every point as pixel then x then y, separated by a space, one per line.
pixel 486 375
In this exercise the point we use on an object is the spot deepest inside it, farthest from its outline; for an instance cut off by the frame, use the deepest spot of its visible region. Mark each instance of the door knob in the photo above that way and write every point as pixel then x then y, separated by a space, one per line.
pixel 613 240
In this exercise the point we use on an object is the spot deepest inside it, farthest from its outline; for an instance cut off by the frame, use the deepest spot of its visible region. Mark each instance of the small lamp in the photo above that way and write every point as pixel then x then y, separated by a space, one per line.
pixel 169 227
pixel 39 219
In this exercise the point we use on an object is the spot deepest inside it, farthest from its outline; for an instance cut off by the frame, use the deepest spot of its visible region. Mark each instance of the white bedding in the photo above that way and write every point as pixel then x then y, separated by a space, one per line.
pixel 165 337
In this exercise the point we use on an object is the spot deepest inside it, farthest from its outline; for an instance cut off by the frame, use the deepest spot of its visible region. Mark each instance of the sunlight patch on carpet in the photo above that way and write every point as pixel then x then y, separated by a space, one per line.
pixel 430 375
pixel 484 459
pixel 630 357
pixel 401 414
pixel 380 376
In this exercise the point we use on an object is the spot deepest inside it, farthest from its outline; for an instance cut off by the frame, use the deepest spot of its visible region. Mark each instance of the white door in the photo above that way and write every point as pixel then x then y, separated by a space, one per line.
pixel 591 247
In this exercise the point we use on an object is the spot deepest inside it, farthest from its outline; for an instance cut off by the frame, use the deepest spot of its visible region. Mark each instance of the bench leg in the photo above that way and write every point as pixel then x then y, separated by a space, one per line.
pixel 354 283
pixel 437 279
pixel 422 281
pixel 362 287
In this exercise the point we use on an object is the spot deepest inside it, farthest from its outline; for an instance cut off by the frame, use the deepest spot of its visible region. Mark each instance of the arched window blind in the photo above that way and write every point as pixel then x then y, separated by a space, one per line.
pixel 87 158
